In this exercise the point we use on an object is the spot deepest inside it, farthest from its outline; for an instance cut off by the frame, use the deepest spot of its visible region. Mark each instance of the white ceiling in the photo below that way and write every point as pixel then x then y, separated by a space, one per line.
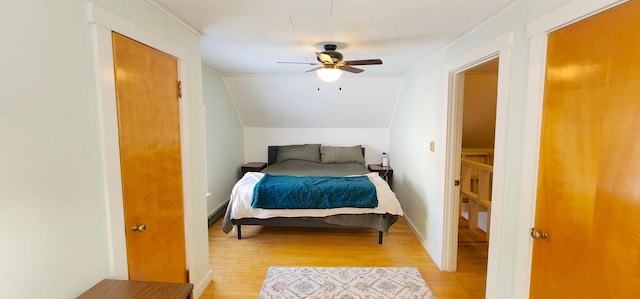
pixel 249 37
pixel 245 39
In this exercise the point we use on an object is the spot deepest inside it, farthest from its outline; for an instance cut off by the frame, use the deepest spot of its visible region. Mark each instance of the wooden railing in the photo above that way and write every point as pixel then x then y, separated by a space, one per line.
pixel 475 188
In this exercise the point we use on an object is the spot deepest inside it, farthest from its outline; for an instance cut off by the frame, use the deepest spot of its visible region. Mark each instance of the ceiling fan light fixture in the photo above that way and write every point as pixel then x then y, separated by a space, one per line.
pixel 329 74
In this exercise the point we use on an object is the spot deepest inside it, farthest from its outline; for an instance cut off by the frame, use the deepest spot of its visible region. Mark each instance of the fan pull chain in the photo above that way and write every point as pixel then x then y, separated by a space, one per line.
pixel 339 88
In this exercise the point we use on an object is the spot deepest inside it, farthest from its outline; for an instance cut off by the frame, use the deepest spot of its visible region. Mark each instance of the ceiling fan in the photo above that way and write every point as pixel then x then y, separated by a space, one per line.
pixel 330 63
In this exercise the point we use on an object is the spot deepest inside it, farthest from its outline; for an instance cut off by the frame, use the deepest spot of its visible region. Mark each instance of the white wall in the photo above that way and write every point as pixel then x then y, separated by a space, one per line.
pixel 53 215
pixel 306 102
pixel 224 140
pixel 421 117
pixel 375 141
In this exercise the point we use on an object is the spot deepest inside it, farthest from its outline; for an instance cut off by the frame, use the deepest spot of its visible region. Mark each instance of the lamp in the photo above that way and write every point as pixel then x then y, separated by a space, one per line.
pixel 329 73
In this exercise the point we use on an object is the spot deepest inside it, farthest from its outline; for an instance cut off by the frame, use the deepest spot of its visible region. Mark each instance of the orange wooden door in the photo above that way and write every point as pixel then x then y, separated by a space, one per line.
pixel 150 158
pixel 589 181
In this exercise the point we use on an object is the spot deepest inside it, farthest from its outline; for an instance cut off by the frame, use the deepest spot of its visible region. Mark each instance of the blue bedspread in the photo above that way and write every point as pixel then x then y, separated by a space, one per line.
pixel 313 192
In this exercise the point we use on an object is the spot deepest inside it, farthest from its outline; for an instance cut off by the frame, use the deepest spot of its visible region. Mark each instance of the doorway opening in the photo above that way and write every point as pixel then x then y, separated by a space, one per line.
pixel 478 105
pixel 499 48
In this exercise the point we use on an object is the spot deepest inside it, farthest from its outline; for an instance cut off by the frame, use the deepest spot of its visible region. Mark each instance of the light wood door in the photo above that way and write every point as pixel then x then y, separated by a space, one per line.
pixel 150 158
pixel 588 186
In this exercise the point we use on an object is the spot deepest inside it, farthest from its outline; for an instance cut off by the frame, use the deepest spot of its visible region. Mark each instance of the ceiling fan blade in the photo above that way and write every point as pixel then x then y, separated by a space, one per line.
pixel 324 58
pixel 351 69
pixel 362 62
pixel 307 63
pixel 314 69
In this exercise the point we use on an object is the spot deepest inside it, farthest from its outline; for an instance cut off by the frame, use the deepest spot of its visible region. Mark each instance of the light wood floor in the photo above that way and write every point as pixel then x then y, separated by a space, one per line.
pixel 239 266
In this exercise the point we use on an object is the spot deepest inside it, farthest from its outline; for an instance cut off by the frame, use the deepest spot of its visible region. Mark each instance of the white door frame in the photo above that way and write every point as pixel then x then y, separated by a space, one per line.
pixel 537 32
pixel 103 23
pixel 498 48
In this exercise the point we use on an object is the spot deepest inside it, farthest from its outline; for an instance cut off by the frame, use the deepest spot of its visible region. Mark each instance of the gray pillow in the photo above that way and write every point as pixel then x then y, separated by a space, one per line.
pixel 335 154
pixel 307 152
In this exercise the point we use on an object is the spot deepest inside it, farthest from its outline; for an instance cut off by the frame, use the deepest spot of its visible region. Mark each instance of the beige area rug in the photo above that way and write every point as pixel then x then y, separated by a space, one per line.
pixel 344 283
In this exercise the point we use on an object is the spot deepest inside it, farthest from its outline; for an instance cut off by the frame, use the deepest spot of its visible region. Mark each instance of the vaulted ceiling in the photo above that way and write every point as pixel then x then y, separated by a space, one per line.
pixel 245 39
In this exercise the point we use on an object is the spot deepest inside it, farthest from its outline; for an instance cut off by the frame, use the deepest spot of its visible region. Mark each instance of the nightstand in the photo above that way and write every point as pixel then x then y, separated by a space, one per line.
pixel 109 288
pixel 385 172
pixel 253 167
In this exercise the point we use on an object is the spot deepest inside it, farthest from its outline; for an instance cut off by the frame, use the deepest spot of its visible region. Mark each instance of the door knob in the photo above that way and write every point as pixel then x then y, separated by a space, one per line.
pixel 139 227
pixel 538 234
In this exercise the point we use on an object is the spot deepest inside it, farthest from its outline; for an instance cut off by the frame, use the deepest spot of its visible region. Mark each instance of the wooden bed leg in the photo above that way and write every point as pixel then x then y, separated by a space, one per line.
pixel 239 228
pixel 380 237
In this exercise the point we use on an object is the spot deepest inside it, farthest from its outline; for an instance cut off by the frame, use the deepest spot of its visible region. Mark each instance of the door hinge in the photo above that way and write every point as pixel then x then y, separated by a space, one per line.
pixel 188 278
pixel 180 89
pixel 456 183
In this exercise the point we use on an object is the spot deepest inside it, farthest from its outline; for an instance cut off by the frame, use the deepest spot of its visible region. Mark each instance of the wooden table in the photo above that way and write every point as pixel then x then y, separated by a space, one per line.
pixel 385 172
pixel 127 289
pixel 253 166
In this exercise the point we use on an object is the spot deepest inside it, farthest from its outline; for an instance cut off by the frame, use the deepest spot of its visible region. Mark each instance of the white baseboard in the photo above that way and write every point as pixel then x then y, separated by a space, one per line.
pixel 202 285
pixel 430 251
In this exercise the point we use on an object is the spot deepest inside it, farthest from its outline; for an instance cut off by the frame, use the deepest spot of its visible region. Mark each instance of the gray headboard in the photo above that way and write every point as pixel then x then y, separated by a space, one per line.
pixel 272 154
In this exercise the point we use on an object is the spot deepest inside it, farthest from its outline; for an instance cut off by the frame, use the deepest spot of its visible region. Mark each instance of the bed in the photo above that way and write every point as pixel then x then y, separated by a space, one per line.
pixel 313 162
